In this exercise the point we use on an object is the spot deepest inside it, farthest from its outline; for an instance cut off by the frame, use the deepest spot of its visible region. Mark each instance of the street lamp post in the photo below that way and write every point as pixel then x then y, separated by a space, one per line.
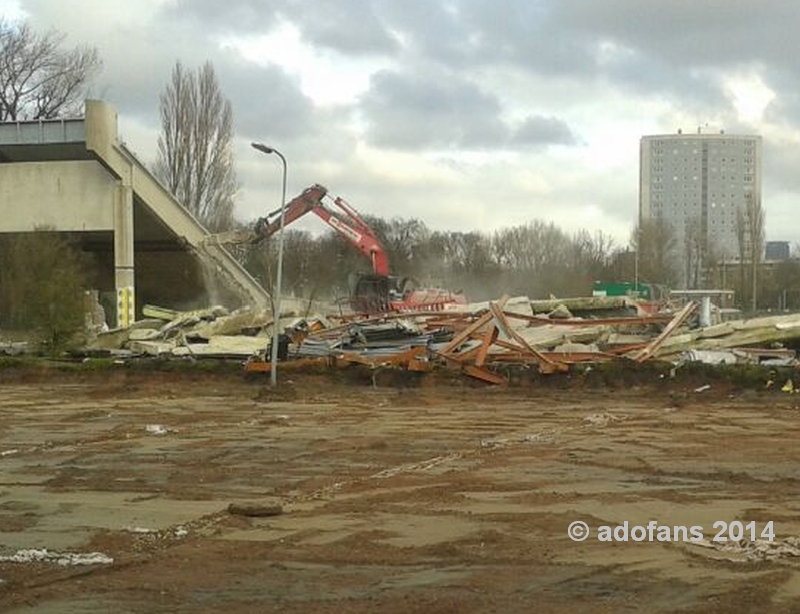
pixel 276 297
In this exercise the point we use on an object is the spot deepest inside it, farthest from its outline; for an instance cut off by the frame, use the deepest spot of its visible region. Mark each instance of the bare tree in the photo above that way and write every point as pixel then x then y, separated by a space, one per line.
pixel 750 240
pixel 741 244
pixel 38 78
pixel 655 242
pixel 195 148
pixel 755 228
pixel 693 253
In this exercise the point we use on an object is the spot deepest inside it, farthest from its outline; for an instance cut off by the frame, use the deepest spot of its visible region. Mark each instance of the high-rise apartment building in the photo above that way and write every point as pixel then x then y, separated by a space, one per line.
pixel 697 183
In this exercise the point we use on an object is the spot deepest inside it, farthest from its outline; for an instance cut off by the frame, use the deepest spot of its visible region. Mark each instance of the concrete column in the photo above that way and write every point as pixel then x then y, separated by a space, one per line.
pixel 123 256
pixel 705 311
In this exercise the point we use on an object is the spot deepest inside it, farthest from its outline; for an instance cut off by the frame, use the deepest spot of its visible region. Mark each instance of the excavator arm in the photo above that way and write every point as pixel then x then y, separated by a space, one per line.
pixel 267 226
pixel 372 293
pixel 343 219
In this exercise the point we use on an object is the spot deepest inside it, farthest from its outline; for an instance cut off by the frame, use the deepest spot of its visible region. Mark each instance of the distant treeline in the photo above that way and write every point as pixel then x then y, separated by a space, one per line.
pixel 535 259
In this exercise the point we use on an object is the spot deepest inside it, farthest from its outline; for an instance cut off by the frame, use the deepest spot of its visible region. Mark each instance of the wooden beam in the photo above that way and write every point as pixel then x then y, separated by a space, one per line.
pixel 483 374
pixel 471 329
pixel 499 317
pixel 489 338
pixel 652 347
pixel 466 333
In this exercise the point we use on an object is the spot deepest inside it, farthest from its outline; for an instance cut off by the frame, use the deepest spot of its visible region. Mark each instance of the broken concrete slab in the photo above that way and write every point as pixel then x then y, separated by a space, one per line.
pixel 163 313
pixel 143 334
pixel 224 346
pixel 231 324
pixel 752 332
pixel 515 304
pixel 117 337
pixel 560 312
pixel 579 305
pixel 151 348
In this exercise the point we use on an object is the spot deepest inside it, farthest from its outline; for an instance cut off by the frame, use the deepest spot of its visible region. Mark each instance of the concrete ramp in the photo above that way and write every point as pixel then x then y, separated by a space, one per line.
pixel 76 176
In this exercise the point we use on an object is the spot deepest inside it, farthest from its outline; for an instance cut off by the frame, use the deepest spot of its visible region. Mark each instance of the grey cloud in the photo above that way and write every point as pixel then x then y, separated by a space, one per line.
pixel 523 33
pixel 345 26
pixel 436 96
pixel 242 16
pixel 677 45
pixel 265 100
pixel 539 130
pixel 688 32
pixel 780 167
pixel 138 63
pixel 342 25
pixel 672 45
pixel 409 112
pixel 695 91
pixel 431 30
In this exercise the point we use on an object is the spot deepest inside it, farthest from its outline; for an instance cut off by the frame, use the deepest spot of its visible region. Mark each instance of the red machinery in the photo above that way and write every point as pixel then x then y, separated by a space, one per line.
pixel 373 293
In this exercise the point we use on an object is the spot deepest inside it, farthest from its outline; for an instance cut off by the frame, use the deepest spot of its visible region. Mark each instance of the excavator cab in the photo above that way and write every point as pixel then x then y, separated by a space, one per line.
pixel 370 293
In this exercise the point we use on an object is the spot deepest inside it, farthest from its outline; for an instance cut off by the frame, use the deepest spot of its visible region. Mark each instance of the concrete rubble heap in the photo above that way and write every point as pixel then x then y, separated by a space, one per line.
pixel 550 335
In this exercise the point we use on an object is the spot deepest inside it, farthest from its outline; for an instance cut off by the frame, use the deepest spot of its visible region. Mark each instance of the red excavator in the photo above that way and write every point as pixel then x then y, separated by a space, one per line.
pixel 369 293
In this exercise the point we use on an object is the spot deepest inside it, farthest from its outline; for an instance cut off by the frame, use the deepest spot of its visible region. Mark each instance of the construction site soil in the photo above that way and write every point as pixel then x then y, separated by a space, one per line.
pixel 136 490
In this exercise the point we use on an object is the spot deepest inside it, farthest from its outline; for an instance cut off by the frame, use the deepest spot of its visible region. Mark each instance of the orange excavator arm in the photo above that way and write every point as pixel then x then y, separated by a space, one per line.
pixel 343 219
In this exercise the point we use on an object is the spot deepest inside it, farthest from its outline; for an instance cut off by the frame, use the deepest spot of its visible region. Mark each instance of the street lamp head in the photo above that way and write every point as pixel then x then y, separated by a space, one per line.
pixel 263 148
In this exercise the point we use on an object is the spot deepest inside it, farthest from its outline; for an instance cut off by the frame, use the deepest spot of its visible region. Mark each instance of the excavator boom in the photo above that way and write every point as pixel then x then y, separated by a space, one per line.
pixel 371 293
pixel 346 222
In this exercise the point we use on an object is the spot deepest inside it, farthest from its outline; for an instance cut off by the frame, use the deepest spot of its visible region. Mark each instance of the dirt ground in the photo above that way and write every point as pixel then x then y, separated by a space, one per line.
pixel 449 498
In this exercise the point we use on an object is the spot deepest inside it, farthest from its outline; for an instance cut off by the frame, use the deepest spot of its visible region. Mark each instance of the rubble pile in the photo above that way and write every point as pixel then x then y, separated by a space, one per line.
pixel 549 335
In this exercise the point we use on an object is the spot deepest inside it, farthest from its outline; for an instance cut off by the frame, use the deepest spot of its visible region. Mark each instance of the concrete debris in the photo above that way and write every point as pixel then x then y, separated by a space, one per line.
pixel 143 334
pixel 245 321
pixel 589 307
pixel 224 345
pixel 421 466
pixel 116 338
pixel 481 339
pixel 762 331
pixel 572 347
pixel 206 333
pixel 520 305
pixel 560 312
pixel 545 436
pixel 601 420
pixel 140 530
pixel 156 429
pixel 13 348
pixel 757 550
pixel 63 559
pixel 94 314
pixel 169 315
pixel 711 357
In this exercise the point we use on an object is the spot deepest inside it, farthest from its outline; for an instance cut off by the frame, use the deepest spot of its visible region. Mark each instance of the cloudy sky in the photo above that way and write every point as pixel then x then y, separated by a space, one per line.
pixel 466 114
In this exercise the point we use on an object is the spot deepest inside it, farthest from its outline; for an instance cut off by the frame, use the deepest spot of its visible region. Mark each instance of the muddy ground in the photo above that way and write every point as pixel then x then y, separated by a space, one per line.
pixel 445 497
